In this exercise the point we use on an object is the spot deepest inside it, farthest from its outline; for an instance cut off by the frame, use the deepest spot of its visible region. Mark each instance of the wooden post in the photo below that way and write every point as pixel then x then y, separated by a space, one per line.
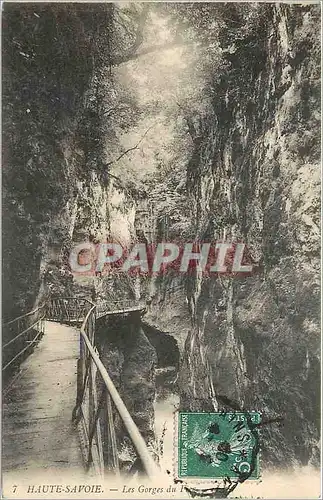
pixel 91 412
pixel 138 441
pixel 66 311
pixel 112 450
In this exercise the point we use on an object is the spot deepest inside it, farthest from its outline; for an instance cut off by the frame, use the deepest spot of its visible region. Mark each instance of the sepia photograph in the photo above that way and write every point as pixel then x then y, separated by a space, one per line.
pixel 161 208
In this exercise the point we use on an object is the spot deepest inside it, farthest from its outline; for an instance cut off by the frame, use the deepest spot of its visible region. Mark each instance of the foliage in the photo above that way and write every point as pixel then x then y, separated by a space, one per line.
pixel 56 89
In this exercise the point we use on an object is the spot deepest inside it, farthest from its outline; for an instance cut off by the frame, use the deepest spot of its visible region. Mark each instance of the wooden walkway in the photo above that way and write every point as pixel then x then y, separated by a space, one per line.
pixel 126 310
pixel 38 433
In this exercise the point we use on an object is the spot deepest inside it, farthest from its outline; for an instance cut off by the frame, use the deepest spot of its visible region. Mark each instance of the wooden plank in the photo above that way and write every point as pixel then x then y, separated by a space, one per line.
pixel 37 428
pixel 111 437
pixel 120 311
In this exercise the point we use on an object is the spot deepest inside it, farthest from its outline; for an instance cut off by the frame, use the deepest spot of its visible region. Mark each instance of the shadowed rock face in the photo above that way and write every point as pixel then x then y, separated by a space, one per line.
pixel 46 78
pixel 130 360
pixel 166 347
pixel 252 174
pixel 255 177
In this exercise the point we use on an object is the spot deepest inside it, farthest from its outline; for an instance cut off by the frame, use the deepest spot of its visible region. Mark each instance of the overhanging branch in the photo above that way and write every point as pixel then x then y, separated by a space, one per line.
pixel 129 149
pixel 120 59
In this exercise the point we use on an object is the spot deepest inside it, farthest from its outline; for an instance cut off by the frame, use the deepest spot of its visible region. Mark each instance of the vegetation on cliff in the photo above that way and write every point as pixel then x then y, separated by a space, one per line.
pixel 59 103
pixel 222 128
pixel 254 162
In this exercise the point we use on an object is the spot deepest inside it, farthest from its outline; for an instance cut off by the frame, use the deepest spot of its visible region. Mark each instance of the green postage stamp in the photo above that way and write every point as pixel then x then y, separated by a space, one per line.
pixel 218 445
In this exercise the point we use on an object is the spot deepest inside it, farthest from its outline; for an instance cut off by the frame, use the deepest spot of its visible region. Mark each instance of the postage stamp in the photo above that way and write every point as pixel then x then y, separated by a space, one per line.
pixel 218 445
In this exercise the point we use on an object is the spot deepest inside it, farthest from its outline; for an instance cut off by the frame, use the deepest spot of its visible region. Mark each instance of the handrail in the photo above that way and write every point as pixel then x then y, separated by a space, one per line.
pixel 132 429
pixel 24 349
pixel 87 392
pixel 89 407
pixel 73 298
pixel 22 327
pixel 62 298
pixel 60 309
pixel 24 315
pixel 106 307
pixel 20 334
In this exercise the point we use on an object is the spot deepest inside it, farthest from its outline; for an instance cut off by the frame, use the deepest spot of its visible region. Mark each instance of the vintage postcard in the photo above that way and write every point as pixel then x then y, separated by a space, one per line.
pixel 161 250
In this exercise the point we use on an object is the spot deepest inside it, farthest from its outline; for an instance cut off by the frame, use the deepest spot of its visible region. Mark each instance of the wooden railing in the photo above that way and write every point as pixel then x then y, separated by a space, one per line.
pixel 68 309
pixel 74 309
pixel 97 399
pixel 117 307
pixel 20 335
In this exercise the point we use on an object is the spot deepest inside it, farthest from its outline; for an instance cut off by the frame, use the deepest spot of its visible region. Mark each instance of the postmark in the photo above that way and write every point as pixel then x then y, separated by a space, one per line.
pixel 218 445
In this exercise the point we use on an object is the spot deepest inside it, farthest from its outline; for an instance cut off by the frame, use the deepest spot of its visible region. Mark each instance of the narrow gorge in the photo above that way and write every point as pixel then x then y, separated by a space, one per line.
pixel 175 122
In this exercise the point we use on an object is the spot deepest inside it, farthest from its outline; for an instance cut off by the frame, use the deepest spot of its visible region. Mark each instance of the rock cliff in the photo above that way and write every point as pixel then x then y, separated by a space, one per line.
pixel 255 176
pixel 244 166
